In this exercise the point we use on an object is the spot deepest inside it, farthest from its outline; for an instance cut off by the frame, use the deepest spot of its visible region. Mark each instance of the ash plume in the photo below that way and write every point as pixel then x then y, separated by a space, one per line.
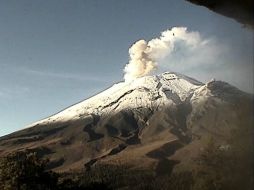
pixel 145 56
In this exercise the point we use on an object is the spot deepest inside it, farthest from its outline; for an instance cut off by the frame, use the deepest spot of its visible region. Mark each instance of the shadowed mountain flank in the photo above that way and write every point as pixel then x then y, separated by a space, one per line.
pixel 165 165
pixel 155 122
pixel 92 135
pixel 124 125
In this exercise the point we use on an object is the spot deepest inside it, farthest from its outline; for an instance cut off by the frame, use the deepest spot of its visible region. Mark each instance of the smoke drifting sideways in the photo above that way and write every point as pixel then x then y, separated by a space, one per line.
pixel 145 57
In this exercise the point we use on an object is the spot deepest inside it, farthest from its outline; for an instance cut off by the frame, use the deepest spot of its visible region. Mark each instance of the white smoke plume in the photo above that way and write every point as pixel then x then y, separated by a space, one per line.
pixel 145 56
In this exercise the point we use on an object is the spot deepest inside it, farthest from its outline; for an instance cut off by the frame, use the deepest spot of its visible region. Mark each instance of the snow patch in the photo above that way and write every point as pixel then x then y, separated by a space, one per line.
pixel 148 91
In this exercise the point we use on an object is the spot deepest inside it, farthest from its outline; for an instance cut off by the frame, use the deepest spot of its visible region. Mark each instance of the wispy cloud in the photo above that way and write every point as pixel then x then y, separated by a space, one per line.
pixel 64 76
pixel 13 91
pixel 1 94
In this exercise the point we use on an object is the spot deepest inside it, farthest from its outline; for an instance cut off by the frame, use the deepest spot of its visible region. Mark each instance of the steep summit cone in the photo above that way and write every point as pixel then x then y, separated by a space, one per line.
pixel 145 92
pixel 153 119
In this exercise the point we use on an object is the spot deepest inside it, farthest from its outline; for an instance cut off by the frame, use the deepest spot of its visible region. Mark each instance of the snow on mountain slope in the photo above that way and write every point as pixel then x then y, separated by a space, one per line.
pixel 137 123
pixel 149 91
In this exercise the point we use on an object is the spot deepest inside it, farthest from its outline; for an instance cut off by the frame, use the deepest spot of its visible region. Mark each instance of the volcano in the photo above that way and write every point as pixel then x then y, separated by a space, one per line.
pixel 158 122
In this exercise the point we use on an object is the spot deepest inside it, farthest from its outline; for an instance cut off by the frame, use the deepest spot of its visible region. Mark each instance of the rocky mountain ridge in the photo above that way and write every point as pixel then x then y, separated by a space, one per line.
pixel 153 122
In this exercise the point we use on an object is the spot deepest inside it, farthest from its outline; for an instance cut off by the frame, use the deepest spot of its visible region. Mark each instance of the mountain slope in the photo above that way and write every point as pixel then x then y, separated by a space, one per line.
pixel 155 121
pixel 130 95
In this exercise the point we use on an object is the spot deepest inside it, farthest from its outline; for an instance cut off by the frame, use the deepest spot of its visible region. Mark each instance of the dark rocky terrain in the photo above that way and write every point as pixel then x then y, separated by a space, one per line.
pixel 240 10
pixel 162 138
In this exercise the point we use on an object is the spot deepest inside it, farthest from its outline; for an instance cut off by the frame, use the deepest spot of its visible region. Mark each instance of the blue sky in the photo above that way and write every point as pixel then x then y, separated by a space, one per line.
pixel 54 53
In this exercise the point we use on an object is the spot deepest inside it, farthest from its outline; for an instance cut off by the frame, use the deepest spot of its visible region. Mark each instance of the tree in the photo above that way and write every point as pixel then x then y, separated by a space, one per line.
pixel 25 171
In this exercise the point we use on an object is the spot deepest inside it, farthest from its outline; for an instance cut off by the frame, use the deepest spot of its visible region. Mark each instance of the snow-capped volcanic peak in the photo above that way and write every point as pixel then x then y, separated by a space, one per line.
pixel 149 91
